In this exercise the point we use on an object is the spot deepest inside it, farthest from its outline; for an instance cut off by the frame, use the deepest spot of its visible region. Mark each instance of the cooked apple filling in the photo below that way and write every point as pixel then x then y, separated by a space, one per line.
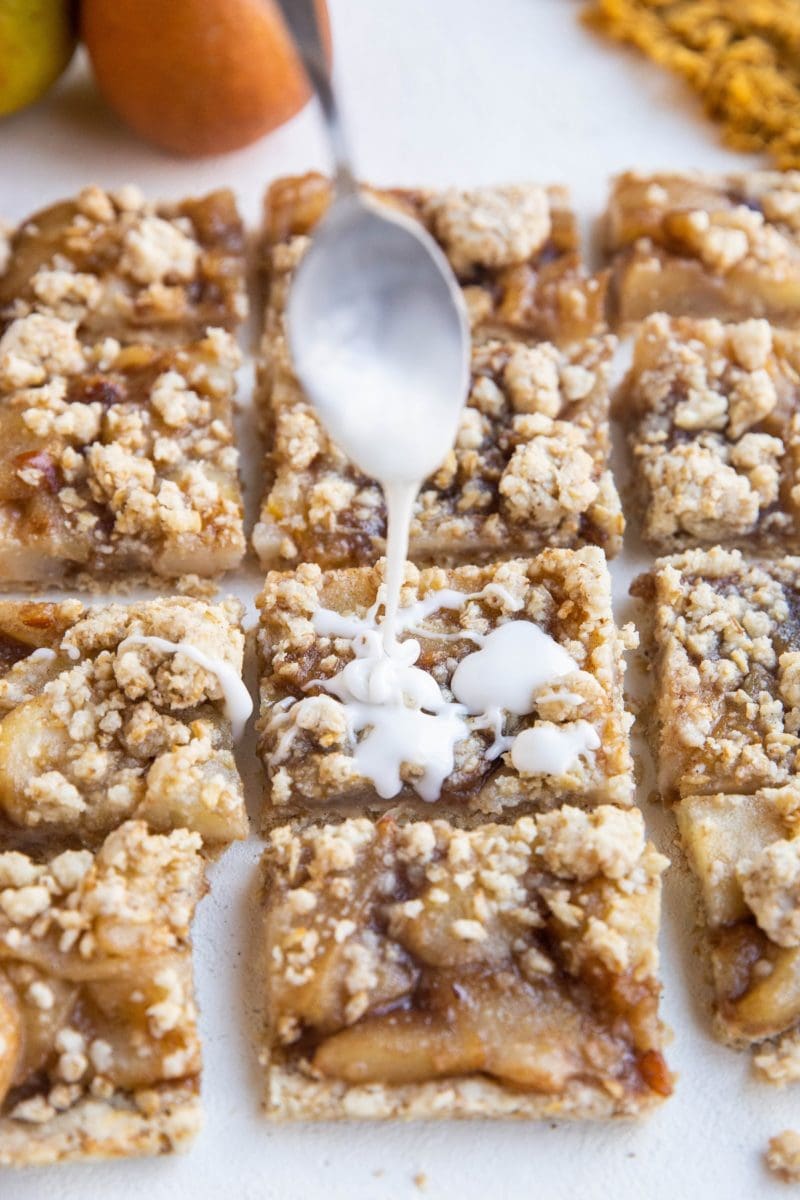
pixel 115 460
pixel 701 246
pixel 99 1052
pixel 745 851
pixel 119 265
pixel 94 729
pixel 315 759
pixel 426 970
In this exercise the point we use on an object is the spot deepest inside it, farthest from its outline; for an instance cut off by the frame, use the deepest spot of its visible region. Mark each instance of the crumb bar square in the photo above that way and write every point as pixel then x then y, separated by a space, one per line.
pixel 702 245
pixel 745 852
pixel 106 714
pixel 726 665
pixel 312 625
pixel 100 1055
pixel 427 971
pixel 115 460
pixel 515 250
pixel 529 467
pixel 123 267
pixel 713 419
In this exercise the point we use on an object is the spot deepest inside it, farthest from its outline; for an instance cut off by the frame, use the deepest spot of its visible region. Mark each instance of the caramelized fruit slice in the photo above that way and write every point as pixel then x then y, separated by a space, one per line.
pixel 166 807
pixel 771 1004
pixel 41 1024
pixel 430 938
pixel 536 1039
pixel 31 741
pixel 142 1016
pixel 10 1036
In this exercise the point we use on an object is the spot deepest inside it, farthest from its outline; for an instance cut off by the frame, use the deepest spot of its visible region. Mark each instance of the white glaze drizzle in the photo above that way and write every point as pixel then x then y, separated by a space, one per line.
pixel 548 749
pixel 396 714
pixel 236 699
pixel 516 660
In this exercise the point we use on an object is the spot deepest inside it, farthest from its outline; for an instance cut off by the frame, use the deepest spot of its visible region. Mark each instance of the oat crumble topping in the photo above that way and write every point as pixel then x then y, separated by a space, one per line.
pixel 727 670
pixel 714 430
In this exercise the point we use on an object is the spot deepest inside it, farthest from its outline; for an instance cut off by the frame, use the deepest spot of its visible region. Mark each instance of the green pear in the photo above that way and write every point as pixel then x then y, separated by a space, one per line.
pixel 37 38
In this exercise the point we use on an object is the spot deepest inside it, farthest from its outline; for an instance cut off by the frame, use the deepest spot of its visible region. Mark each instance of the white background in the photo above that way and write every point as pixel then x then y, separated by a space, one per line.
pixel 438 92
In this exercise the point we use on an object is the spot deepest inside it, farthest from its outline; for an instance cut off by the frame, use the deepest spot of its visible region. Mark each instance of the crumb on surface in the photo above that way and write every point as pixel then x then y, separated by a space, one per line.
pixel 783 1155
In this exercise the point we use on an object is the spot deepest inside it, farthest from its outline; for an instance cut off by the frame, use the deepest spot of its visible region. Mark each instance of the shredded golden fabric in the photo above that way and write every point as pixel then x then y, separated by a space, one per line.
pixel 742 56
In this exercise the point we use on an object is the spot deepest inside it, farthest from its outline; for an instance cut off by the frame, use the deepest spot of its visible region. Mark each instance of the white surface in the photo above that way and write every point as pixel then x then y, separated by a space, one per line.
pixel 445 91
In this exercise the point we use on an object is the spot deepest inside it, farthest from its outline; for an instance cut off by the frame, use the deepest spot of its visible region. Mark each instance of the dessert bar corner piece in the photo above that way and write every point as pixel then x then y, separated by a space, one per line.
pixel 426 971
pixel 515 250
pixel 118 712
pixel 745 852
pixel 100 1055
pixel 115 460
pixel 713 419
pixel 123 267
pixel 512 700
pixel 702 245
pixel 528 469
pixel 726 668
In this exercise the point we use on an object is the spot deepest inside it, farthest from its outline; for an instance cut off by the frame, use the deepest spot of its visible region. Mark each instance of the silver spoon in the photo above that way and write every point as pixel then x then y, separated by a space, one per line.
pixel 374 299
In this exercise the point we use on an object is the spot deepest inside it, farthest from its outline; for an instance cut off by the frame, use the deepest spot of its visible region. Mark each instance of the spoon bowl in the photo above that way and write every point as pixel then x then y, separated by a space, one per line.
pixel 379 336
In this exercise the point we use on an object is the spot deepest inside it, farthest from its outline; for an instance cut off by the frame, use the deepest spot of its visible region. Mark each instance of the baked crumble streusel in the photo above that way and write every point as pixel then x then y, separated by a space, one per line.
pixel 745 853
pixel 778 1062
pixel 514 249
pixel 428 971
pixel 713 419
pixel 311 751
pixel 99 1051
pixel 94 731
pixel 783 1155
pixel 726 668
pixel 529 467
pixel 123 267
pixel 703 245
pixel 115 460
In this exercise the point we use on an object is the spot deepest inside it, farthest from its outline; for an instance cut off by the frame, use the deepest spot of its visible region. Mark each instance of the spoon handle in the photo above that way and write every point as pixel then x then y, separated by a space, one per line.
pixel 303 24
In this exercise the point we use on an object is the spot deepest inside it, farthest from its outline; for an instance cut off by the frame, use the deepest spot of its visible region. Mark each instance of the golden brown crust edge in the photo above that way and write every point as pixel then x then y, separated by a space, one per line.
pixel 291 1096
pixel 95 1129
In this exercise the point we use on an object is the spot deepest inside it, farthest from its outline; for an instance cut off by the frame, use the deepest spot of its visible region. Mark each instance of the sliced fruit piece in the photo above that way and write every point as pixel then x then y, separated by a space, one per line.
pixel 10 1036
pixel 143 1017
pixel 534 1038
pixel 32 742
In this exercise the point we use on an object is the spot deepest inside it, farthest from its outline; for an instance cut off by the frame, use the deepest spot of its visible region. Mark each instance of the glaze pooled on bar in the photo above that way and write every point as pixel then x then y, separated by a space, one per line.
pixel 396 712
